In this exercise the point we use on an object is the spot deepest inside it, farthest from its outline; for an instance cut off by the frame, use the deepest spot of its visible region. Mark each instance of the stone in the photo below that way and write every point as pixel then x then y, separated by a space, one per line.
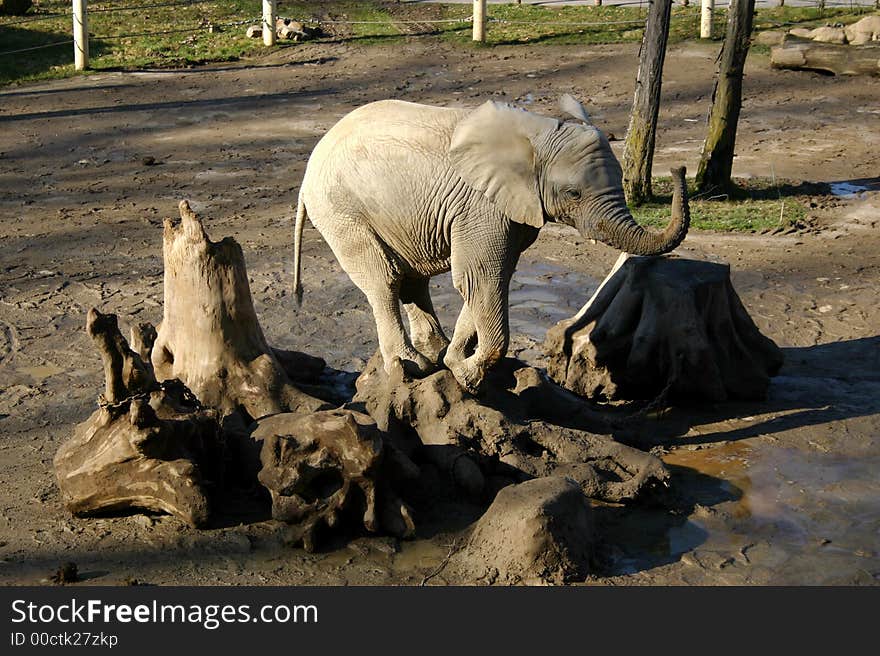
pixel 537 532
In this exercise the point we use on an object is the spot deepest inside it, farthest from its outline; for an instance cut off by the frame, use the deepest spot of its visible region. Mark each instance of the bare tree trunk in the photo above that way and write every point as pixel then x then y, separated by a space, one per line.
pixel 638 153
pixel 716 161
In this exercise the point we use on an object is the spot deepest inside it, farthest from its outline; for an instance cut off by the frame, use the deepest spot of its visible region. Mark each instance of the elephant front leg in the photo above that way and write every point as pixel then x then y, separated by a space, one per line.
pixel 426 333
pixel 485 317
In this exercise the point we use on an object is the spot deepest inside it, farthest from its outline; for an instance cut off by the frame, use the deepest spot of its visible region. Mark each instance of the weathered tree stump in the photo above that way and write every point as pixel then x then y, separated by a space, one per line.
pixel 522 426
pixel 324 468
pixel 658 325
pixel 148 447
pixel 802 54
pixel 210 337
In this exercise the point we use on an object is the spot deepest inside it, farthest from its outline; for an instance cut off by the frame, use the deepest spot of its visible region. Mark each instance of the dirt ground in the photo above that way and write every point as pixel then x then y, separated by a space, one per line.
pixel 780 492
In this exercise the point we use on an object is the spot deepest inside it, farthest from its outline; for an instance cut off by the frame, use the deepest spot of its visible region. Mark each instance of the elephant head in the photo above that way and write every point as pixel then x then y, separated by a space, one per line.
pixel 537 169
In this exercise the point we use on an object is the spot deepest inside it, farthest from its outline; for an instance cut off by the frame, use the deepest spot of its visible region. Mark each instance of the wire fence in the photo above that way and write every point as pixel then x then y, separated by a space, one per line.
pixel 390 22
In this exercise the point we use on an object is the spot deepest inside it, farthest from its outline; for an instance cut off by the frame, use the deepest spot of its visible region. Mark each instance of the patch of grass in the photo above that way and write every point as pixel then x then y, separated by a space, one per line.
pixel 750 206
pixel 125 39
pixel 518 24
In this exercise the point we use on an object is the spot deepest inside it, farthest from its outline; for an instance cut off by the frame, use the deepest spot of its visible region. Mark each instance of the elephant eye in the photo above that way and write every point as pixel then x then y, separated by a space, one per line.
pixel 573 194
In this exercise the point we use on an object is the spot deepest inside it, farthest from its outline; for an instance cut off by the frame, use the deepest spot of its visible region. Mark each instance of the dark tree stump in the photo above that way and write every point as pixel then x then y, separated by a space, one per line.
pixel 325 467
pixel 522 426
pixel 148 447
pixel 660 325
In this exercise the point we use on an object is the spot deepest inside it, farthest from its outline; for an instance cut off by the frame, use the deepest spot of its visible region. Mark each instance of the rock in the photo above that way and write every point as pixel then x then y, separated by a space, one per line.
pixel 770 38
pixel 829 35
pixel 254 32
pixel 863 31
pixel 803 32
pixel 67 573
pixel 537 532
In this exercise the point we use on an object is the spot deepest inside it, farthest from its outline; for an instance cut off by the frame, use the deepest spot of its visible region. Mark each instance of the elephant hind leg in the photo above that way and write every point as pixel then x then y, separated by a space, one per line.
pixel 426 333
pixel 375 271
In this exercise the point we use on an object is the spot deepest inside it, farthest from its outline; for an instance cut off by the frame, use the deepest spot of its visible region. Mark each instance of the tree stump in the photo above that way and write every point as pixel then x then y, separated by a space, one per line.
pixel 523 426
pixel 327 467
pixel 802 54
pixel 148 447
pixel 210 337
pixel 657 326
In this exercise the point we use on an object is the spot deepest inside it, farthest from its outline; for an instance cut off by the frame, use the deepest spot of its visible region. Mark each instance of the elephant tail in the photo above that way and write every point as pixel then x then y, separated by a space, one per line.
pixel 297 247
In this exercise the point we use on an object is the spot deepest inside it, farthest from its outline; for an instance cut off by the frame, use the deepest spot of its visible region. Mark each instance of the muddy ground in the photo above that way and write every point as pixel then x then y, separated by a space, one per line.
pixel 779 492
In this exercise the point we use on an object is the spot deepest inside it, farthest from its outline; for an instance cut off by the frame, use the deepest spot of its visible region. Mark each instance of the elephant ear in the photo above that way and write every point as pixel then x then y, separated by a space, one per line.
pixel 571 106
pixel 493 151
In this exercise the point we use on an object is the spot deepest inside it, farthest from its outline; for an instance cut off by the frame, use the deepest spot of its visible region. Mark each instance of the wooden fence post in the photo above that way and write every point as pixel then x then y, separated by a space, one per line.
pixel 706 16
pixel 269 22
pixel 80 35
pixel 479 21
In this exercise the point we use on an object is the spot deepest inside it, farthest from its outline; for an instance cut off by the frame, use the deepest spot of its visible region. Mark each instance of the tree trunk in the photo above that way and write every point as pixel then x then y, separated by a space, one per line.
pixel 799 54
pixel 210 337
pixel 638 153
pixel 716 160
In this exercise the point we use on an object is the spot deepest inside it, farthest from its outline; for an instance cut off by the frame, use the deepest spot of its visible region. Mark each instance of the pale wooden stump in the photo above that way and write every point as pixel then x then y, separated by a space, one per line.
pixel 148 447
pixel 210 337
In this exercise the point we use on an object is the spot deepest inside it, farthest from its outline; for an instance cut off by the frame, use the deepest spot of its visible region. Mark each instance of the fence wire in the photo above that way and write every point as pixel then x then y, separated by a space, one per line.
pixel 158 5
pixel 40 47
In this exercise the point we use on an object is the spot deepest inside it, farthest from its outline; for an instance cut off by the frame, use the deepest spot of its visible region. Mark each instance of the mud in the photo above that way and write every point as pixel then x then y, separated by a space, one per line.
pixel 779 492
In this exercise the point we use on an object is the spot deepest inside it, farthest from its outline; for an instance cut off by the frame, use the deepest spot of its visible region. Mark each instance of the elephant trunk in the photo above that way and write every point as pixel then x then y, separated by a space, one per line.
pixel 621 230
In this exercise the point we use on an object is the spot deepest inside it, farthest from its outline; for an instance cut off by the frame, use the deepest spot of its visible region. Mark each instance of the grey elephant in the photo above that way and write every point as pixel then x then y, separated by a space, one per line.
pixel 402 192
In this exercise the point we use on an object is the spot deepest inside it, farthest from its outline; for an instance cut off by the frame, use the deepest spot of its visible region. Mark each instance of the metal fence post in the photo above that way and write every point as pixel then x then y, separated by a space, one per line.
pixel 708 8
pixel 479 21
pixel 80 35
pixel 269 22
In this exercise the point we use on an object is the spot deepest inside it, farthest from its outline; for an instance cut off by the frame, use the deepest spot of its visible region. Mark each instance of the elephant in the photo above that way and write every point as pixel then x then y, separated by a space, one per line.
pixel 402 192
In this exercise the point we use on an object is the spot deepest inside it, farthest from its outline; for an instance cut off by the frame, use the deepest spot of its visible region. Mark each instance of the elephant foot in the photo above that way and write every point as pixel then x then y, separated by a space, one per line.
pixel 468 374
pixel 432 346
pixel 414 364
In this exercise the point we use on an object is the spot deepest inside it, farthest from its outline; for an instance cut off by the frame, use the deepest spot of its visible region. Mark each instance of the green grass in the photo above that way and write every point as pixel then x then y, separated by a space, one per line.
pixel 752 205
pixel 509 24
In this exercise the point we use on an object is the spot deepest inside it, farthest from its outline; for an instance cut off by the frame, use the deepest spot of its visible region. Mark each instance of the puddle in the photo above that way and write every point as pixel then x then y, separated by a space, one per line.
pixel 41 372
pixel 541 294
pixel 809 506
pixel 848 189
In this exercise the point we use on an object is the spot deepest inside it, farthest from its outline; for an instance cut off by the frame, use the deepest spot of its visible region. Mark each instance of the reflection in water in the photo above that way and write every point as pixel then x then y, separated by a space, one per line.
pixel 803 503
